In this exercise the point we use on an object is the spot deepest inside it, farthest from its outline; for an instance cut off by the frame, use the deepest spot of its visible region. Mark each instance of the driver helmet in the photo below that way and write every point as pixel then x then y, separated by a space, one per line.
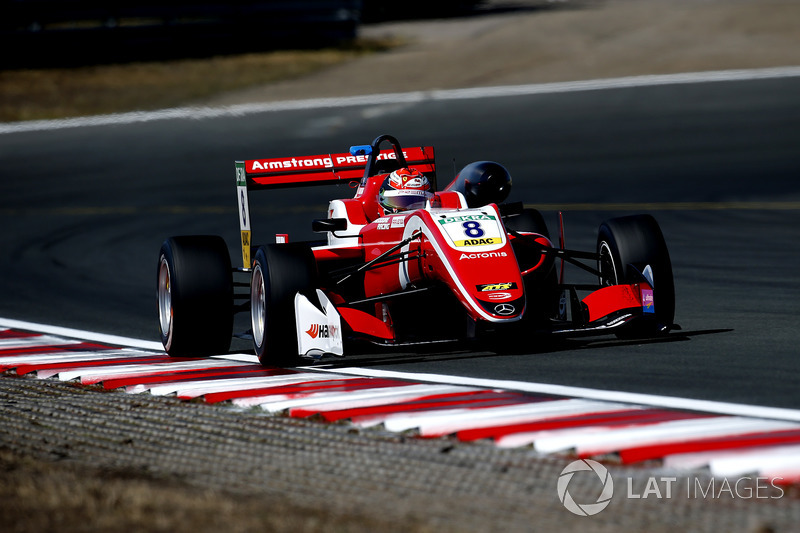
pixel 404 189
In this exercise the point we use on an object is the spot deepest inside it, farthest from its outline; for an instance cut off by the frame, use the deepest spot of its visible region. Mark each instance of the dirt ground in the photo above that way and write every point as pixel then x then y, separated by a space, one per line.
pixel 508 42
pixel 78 459
pixel 538 41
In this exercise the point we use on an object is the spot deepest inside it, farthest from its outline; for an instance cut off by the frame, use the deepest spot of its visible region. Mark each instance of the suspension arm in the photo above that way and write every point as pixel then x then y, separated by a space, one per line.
pixel 386 258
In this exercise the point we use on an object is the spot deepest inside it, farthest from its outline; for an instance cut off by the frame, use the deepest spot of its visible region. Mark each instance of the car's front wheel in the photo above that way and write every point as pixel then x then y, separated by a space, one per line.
pixel 195 296
pixel 280 271
pixel 626 246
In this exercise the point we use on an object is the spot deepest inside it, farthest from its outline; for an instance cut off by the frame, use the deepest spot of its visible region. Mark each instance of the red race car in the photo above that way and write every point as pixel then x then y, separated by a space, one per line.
pixel 406 263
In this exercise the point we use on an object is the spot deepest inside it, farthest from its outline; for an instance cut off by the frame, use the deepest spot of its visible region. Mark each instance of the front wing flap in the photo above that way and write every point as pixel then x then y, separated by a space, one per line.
pixel 607 308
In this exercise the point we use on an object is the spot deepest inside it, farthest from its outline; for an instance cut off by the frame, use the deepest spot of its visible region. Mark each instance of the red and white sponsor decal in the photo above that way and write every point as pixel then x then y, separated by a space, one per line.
pixel 330 161
pixel 322 331
pixel 328 167
pixel 499 295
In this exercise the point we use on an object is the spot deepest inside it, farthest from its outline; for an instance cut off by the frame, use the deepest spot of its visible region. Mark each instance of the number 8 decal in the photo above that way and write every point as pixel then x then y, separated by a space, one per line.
pixel 472 228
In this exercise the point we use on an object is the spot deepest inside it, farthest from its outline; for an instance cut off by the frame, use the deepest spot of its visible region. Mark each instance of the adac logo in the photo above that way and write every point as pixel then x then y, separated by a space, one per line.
pixel 479 242
pixel 322 331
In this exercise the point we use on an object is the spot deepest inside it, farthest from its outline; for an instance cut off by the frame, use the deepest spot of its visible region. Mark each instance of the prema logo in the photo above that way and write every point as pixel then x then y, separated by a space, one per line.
pixel 586 509
pixel 499 295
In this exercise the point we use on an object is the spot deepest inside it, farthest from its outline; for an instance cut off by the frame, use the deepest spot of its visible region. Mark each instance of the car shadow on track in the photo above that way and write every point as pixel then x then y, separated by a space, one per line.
pixel 462 351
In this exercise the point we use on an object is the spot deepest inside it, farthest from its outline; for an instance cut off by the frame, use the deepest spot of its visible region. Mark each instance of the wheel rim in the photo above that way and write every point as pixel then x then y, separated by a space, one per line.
pixel 164 298
pixel 258 305
pixel 606 266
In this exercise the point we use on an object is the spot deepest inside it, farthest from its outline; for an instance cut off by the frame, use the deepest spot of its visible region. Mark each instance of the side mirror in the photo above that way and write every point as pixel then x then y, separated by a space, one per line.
pixel 322 225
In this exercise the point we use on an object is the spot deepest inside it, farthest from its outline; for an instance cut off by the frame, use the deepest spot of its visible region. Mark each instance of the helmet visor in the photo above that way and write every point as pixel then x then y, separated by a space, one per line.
pixel 405 200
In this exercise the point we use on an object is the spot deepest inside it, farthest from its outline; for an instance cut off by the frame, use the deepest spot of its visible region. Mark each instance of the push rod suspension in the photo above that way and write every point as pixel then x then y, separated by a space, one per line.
pixel 385 255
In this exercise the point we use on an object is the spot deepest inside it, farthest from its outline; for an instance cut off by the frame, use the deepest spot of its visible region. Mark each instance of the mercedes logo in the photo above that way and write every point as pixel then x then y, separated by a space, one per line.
pixel 504 309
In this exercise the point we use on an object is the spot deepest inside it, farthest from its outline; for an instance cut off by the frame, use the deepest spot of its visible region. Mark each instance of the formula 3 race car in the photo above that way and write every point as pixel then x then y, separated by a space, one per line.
pixel 404 263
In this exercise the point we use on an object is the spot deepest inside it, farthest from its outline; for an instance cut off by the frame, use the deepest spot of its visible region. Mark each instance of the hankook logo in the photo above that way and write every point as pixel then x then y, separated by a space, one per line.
pixel 504 309
pixel 323 331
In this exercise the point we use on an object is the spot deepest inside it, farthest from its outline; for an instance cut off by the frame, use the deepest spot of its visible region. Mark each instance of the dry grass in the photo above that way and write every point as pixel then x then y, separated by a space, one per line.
pixel 67 92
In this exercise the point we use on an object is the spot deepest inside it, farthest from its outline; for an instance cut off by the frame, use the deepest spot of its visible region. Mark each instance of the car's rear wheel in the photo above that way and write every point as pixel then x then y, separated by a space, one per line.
pixel 280 271
pixel 626 246
pixel 195 296
pixel 529 220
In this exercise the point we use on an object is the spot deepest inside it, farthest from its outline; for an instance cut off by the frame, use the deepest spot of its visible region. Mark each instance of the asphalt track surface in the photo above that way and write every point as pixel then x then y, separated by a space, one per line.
pixel 84 211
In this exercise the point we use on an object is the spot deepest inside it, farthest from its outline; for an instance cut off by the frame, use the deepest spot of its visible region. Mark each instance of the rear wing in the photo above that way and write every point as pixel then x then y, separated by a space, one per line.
pixel 324 169
pixel 262 174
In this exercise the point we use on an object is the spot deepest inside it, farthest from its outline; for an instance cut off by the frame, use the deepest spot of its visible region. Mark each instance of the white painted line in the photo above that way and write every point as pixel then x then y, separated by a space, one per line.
pixel 80 334
pixel 788 471
pixel 91 376
pixel 254 383
pixel 351 401
pixel 517 440
pixel 400 394
pixel 54 372
pixel 70 357
pixel 195 389
pixel 777 459
pixel 240 357
pixel 255 401
pixel 669 402
pixel 452 420
pixel 39 341
pixel 305 400
pixel 575 407
pixel 695 460
pixel 199 113
pixel 620 438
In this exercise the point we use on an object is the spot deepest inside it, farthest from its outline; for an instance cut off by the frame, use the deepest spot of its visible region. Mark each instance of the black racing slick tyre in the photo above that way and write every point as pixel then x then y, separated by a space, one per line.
pixel 195 296
pixel 625 246
pixel 529 220
pixel 280 271
pixel 541 286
